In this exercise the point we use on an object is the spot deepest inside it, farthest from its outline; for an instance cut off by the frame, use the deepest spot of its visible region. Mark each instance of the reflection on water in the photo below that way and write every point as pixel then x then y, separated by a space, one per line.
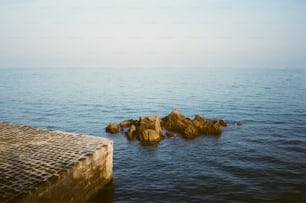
pixel 104 195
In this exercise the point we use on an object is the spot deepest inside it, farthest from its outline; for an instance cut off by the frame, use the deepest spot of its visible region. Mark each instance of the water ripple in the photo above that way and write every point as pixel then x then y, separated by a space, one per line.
pixel 261 160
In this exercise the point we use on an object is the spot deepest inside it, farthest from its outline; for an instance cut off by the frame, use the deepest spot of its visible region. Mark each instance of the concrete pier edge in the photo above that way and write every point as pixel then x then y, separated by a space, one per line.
pixel 41 165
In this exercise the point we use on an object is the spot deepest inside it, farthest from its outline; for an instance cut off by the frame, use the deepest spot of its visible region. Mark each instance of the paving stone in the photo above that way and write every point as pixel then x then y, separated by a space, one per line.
pixel 51 166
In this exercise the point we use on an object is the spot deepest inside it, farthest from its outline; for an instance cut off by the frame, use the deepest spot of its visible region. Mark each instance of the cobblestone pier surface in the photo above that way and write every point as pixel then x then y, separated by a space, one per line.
pixel 39 165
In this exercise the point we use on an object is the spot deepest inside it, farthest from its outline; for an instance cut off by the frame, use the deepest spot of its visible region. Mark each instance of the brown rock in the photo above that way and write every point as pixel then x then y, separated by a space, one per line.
pixel 131 132
pixel 223 123
pixel 199 118
pixel 127 123
pixel 150 128
pixel 112 128
pixel 203 130
pixel 175 122
pixel 190 132
pixel 153 118
pixel 152 122
pixel 214 128
pixel 149 135
pixel 200 124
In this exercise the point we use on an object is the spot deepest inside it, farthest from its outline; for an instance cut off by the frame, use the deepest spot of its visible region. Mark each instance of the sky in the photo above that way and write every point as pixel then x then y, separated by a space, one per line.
pixel 206 33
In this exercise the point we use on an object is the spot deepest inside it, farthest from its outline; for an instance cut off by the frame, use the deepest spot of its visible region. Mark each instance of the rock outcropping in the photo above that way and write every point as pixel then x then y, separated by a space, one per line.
pixel 153 128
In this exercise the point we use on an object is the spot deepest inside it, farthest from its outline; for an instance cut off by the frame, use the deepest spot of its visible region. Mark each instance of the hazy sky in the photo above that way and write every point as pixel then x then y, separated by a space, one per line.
pixel 263 33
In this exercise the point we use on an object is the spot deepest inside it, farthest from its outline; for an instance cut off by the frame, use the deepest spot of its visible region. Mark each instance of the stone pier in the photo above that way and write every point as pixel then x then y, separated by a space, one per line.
pixel 39 165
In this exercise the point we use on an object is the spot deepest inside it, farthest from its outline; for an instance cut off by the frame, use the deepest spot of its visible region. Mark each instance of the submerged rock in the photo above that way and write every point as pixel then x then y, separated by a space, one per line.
pixel 169 134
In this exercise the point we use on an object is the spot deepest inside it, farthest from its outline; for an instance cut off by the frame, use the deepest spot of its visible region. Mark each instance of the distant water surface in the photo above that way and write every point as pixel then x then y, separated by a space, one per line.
pixel 264 159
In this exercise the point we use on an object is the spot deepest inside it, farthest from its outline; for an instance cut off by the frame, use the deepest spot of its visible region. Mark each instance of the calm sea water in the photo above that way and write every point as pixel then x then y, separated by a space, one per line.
pixel 264 159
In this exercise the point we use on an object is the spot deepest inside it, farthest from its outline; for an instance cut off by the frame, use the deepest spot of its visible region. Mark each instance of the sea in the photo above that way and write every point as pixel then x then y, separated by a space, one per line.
pixel 261 160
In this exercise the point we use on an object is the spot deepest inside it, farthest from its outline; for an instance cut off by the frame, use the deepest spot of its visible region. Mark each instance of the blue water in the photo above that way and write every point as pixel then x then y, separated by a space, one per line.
pixel 264 159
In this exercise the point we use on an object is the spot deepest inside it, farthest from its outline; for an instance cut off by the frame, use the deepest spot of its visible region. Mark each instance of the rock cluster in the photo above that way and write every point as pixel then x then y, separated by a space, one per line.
pixel 153 128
